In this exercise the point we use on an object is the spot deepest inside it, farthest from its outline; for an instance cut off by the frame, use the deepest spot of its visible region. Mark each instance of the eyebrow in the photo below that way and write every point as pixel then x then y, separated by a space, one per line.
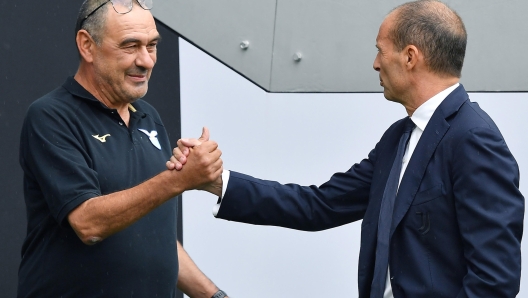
pixel 135 40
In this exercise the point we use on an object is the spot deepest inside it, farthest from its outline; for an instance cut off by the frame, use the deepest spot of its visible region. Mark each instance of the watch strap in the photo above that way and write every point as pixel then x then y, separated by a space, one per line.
pixel 219 294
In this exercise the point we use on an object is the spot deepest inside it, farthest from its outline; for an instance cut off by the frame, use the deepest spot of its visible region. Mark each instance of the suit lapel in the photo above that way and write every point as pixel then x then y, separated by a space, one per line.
pixel 435 130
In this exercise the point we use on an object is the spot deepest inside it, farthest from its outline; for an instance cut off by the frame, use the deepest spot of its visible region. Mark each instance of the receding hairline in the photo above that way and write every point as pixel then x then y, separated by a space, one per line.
pixel 438 9
pixel 435 29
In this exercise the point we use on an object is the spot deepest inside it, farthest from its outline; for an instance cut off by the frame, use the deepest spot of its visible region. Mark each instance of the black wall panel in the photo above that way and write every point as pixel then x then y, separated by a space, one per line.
pixel 37 53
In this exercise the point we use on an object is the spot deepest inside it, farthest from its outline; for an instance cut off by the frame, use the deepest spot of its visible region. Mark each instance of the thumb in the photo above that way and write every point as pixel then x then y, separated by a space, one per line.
pixel 205 135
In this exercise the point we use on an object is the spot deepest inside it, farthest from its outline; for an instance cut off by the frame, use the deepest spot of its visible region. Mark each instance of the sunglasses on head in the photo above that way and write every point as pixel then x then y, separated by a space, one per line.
pixel 120 6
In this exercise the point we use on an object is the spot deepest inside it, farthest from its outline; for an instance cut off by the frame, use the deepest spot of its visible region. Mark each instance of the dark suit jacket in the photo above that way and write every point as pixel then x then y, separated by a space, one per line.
pixel 458 216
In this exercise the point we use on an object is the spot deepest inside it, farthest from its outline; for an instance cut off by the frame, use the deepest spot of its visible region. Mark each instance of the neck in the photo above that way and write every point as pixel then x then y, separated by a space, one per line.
pixel 87 80
pixel 424 88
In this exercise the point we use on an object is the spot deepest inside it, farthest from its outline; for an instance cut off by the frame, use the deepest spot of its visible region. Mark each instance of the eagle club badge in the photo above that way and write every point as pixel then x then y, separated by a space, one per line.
pixel 152 137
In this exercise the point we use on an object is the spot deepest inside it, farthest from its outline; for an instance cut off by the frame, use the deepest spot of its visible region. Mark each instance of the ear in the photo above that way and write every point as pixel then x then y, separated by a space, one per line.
pixel 412 56
pixel 85 45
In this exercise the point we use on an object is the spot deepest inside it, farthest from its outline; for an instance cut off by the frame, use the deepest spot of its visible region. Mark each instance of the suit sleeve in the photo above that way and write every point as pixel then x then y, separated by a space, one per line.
pixel 490 212
pixel 341 200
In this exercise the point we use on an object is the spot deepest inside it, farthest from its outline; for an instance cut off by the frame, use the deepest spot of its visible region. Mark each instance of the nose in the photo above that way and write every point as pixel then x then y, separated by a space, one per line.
pixel 376 64
pixel 145 58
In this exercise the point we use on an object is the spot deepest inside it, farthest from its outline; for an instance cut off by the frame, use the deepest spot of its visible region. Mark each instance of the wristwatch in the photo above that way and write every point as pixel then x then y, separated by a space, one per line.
pixel 219 294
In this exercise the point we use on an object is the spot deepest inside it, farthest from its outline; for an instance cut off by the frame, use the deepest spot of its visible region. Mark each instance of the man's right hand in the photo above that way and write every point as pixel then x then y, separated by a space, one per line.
pixel 181 152
pixel 193 154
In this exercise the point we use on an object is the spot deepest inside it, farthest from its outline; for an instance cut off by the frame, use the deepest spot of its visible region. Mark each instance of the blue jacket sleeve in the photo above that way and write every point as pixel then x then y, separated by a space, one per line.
pixel 490 212
pixel 341 200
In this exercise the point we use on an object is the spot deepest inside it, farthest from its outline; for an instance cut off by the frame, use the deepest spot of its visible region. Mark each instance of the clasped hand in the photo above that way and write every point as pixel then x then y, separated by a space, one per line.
pixel 201 157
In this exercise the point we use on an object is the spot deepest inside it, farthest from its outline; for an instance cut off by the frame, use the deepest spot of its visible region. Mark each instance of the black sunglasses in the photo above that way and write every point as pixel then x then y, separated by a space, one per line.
pixel 120 6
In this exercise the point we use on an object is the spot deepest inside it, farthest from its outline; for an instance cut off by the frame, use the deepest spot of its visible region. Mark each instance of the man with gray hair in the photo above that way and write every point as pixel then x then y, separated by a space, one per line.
pixel 101 218
pixel 439 193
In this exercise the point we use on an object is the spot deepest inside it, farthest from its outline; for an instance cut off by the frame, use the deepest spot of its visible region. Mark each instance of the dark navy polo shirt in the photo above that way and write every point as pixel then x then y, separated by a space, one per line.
pixel 74 148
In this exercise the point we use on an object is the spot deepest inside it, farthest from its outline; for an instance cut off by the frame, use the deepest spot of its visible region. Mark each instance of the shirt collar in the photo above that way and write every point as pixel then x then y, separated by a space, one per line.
pixel 423 113
pixel 78 90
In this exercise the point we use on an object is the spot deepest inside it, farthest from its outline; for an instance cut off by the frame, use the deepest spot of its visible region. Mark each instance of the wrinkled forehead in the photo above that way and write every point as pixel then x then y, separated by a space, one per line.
pixel 137 22
pixel 385 27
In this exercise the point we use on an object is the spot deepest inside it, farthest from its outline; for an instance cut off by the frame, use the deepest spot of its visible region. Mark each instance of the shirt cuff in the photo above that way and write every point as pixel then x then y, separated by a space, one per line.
pixel 225 180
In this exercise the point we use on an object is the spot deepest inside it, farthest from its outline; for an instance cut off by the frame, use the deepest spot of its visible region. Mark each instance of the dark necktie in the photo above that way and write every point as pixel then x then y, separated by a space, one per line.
pixel 385 217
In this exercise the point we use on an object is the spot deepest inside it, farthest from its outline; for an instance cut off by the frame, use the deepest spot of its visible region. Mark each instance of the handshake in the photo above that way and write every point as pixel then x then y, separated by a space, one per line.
pixel 199 163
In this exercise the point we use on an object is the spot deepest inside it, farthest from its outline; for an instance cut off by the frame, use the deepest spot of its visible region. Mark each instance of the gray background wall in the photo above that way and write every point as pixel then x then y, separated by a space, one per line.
pixel 336 39
pixel 299 138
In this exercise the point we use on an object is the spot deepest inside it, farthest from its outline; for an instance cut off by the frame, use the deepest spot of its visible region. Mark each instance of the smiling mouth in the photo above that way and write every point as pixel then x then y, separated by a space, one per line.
pixel 137 78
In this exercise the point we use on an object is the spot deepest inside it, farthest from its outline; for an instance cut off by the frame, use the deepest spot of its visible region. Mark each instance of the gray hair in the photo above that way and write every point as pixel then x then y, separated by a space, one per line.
pixel 94 24
pixel 436 30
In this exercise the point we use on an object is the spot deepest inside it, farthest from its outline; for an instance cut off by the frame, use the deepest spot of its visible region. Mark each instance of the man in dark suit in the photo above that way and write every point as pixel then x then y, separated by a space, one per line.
pixel 452 224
